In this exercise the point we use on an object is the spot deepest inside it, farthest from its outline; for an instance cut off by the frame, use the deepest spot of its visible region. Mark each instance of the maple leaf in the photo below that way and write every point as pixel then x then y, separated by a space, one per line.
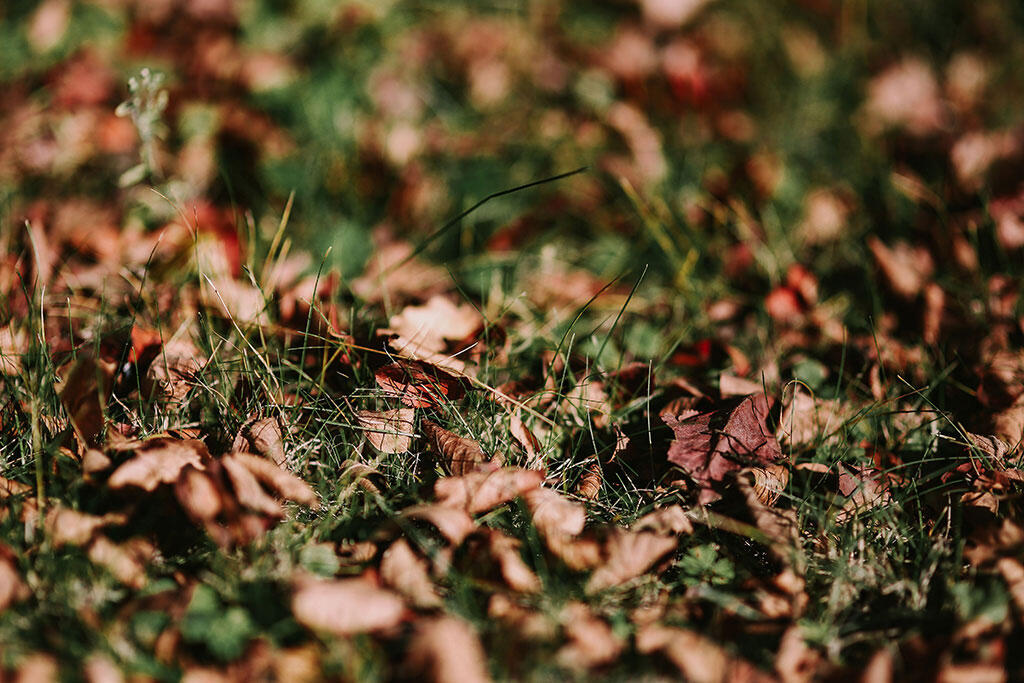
pixel 711 444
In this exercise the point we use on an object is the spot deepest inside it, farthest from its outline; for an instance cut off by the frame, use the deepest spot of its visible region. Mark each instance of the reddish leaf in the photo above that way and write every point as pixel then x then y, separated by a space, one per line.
pixel 712 444
pixel 418 384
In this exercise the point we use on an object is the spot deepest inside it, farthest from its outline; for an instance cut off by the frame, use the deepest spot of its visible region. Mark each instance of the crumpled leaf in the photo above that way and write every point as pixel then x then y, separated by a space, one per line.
pixel 159 461
pixel 248 490
pixel 408 573
pixel 864 487
pixel 478 492
pixel 389 431
pixel 418 384
pixel 711 444
pixel 279 480
pixel 460 455
pixel 174 369
pixel 263 437
pixel 346 606
pixel 447 650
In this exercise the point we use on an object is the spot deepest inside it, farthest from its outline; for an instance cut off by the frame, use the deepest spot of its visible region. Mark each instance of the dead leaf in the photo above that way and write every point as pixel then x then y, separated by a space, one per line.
pixel 454 524
pixel 906 269
pixel 263 437
pixel 807 421
pixel 591 640
pixel 279 480
pixel 248 490
pixel 578 554
pixel 527 623
pixel 669 520
pixel 628 555
pixel 71 527
pixel 478 492
pixel 711 444
pixel 1012 572
pixel 430 326
pixel 505 550
pixel 553 514
pixel 174 370
pixel 418 384
pixel 864 487
pixel 346 606
pixel 447 650
pixel 388 431
pixel 698 659
pixel 12 588
pixel 9 487
pixel 460 455
pixel 126 561
pixel 198 495
pixel 99 668
pixel 37 668
pixel 408 573
pixel 159 461
pixel 86 390
pixel 590 484
pixel 795 661
pixel 525 438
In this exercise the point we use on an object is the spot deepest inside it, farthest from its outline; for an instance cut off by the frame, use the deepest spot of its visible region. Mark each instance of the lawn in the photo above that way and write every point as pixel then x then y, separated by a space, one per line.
pixel 511 340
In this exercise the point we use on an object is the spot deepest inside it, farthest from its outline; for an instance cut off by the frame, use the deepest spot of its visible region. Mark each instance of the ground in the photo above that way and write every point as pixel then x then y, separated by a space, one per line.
pixel 624 340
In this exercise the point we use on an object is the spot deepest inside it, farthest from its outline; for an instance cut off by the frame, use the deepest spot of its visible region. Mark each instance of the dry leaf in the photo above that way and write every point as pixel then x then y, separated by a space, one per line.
pixel 591 640
pixel 454 524
pixel 126 561
pixel 159 461
pixel 530 443
pixel 447 650
pixel 578 554
pixel 279 480
pixel 247 488
pixel 711 444
pixel 482 491
pixel 37 668
pixel 406 572
pixel 554 514
pixel 388 431
pixel 460 455
pixel 99 668
pixel 671 520
pixel 346 607
pixel 12 588
pixel 84 394
pixel 263 437
pixel 590 484
pixel 198 495
pixel 505 550
pixel 527 623
pixel 418 384
pixel 429 325
pixel 174 369
pixel 70 527
pixel 795 662
pixel 906 269
pixel 9 487
pixel 807 421
pixel 629 554
pixel 697 658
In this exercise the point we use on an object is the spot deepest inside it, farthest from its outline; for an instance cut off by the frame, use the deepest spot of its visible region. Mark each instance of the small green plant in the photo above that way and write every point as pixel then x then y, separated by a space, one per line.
pixel 145 105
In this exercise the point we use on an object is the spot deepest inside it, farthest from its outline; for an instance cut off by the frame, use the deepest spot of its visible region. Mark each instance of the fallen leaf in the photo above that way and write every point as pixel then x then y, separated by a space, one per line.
pixel 795 661
pixel 698 659
pixel 447 650
pixel 711 444
pixel 553 514
pixel 906 269
pixel 198 495
pixel 590 483
pixel 439 320
pixel 159 461
pixel 126 561
pixel 592 643
pixel 279 480
pixel 85 392
pixel 407 573
pixel 864 487
pixel 346 607
pixel 578 554
pixel 12 588
pixel 669 520
pixel 71 527
pixel 505 550
pixel 454 524
pixel 628 555
pixel 388 431
pixel 461 455
pixel 37 668
pixel 248 490
pixel 478 492
pixel 807 421
pixel 9 487
pixel 525 438
pixel 1012 572
pixel 263 437
pixel 528 624
pixel 418 384
pixel 174 370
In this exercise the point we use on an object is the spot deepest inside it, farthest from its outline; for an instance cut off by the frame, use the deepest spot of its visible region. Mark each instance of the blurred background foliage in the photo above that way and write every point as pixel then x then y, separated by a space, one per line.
pixel 725 140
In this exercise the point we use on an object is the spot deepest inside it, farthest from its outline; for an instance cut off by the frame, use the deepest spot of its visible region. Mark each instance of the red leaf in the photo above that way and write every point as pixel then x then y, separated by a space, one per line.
pixel 709 445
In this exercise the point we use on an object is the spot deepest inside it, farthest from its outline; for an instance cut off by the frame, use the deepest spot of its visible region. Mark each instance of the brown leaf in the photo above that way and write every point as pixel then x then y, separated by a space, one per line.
pixel 429 326
pixel 85 392
pixel 795 662
pixel 669 520
pixel 698 659
pixel 591 640
pixel 554 514
pixel 629 554
pixel 505 550
pixel 527 623
pixel 406 572
pixel 447 650
pixel 807 421
pixel 453 523
pixel 12 588
pixel 174 369
pixel 711 444
pixel 1012 572
pixel 530 443
pixel 388 431
pixel 481 491
pixel 263 437
pixel 590 483
pixel 9 487
pixel 126 561
pixel 906 269
pixel 418 384
pixel 198 495
pixel 346 607
pixel 864 487
pixel 578 554
pixel 279 480
pixel 37 668
pixel 159 461
pixel 248 490
pixel 460 455
pixel 71 527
